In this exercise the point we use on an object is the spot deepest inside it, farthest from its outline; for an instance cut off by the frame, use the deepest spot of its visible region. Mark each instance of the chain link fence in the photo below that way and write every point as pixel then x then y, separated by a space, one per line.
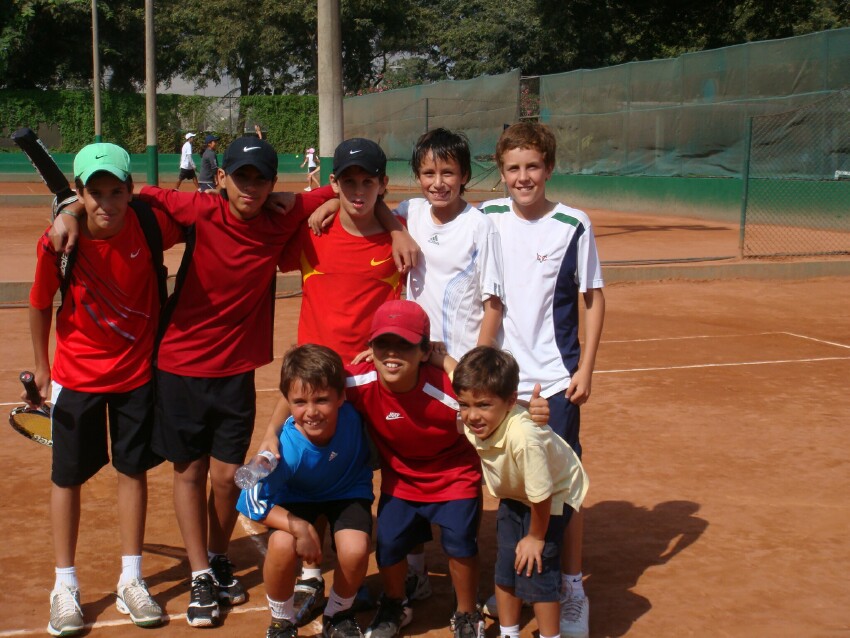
pixel 796 199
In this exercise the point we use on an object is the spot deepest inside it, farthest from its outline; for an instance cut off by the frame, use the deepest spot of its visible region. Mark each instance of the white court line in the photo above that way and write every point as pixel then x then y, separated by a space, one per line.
pixel 736 336
pixel 722 365
pixel 127 622
pixel 830 343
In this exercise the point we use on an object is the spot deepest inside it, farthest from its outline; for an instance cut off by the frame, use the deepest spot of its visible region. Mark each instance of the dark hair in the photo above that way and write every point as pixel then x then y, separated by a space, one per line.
pixel 444 145
pixel 78 183
pixel 315 366
pixel 523 135
pixel 487 369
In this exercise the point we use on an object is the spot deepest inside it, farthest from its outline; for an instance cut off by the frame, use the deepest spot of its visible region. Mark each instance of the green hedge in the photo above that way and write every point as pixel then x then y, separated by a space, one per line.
pixel 66 119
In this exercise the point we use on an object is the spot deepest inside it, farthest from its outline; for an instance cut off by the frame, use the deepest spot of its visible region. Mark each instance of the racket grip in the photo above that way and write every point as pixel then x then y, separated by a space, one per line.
pixel 28 380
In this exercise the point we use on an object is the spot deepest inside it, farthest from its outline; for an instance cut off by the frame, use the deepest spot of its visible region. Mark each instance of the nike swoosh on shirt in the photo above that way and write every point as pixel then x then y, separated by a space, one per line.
pixel 378 263
pixel 245 149
pixel 135 253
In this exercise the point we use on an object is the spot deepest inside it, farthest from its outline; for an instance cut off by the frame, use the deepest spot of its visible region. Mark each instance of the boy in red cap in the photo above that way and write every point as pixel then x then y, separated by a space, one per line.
pixel 429 472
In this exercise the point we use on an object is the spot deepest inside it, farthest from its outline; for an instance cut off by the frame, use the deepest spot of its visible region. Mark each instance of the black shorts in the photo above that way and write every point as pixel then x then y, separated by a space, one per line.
pixel 186 173
pixel 353 514
pixel 80 445
pixel 204 416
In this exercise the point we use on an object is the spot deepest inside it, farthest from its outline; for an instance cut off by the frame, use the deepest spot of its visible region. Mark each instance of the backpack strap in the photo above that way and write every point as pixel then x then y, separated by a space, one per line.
pixel 153 237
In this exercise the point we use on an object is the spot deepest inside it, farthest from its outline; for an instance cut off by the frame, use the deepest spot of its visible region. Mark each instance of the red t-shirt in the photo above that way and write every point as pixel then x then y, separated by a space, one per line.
pixel 344 279
pixel 222 324
pixel 106 328
pixel 423 452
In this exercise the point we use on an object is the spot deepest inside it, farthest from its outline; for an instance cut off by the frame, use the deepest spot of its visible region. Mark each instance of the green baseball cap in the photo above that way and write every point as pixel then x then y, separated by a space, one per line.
pixel 101 157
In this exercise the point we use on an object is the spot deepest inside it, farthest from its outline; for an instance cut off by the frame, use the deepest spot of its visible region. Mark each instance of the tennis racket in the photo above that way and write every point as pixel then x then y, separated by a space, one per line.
pixel 43 163
pixel 33 423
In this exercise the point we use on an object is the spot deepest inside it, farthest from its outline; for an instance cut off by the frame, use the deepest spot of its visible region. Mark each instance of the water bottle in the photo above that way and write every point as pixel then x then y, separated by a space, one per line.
pixel 258 467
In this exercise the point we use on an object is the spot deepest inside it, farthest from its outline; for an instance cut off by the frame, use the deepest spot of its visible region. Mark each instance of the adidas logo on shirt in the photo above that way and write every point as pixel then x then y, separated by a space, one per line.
pixel 434 240
pixel 392 416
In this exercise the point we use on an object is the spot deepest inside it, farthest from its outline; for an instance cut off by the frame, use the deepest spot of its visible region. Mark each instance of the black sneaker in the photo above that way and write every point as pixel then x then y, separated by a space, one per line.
pixel 309 599
pixel 281 629
pixel 467 624
pixel 203 604
pixel 392 615
pixel 230 590
pixel 341 625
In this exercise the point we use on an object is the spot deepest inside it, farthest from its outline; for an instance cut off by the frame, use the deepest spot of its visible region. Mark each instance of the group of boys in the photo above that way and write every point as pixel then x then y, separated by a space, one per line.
pixel 511 274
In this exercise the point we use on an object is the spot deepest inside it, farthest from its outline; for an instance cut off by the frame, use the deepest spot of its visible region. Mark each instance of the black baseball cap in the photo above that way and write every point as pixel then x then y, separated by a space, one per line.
pixel 361 152
pixel 251 151
pixel 211 138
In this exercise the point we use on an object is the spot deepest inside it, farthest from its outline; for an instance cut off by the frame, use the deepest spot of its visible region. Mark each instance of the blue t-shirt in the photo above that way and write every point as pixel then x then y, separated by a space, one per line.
pixel 308 473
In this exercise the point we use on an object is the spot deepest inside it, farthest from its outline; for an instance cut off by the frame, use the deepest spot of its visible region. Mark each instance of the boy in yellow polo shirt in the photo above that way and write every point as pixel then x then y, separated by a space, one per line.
pixel 535 474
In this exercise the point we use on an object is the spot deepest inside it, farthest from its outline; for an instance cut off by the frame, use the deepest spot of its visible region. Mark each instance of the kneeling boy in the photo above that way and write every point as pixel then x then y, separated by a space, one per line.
pixel 534 473
pixel 323 471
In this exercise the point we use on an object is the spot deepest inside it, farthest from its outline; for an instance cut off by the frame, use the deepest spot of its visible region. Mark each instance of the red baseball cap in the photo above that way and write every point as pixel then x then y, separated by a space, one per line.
pixel 403 318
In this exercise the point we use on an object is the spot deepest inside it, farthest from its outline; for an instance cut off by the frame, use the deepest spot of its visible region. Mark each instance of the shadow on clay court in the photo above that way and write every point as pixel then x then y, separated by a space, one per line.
pixel 622 541
pixel 611 230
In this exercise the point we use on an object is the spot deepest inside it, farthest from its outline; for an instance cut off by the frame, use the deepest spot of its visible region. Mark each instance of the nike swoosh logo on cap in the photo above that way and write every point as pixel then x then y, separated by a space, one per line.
pixel 245 149
pixel 99 156
pixel 355 152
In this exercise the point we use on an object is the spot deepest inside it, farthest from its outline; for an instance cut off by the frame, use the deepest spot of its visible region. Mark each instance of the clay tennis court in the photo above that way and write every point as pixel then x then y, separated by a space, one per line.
pixel 716 443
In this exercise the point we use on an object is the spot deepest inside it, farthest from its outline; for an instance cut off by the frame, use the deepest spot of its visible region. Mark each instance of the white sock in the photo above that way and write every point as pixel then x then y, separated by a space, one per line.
pixel 571 586
pixel 282 610
pixel 131 569
pixel 66 576
pixel 417 562
pixel 555 636
pixel 311 572
pixel 202 571
pixel 509 632
pixel 337 604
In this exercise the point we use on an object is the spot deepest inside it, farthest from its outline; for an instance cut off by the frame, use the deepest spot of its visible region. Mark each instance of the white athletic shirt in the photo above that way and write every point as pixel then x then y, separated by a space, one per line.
pixel 461 267
pixel 186 160
pixel 311 161
pixel 548 263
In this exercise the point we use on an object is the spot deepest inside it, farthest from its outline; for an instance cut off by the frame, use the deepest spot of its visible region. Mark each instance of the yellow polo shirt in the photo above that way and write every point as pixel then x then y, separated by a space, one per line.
pixel 528 463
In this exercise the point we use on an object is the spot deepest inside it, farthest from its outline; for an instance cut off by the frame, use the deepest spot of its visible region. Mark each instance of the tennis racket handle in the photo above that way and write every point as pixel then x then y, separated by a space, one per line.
pixel 28 380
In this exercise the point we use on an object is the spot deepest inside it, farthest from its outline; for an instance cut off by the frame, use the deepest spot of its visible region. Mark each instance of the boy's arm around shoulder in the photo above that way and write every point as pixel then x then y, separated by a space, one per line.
pixel 406 253
pixel 579 389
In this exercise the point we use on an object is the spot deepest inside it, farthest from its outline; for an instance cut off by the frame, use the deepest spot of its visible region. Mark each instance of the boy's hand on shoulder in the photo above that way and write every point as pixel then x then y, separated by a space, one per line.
pixel 365 356
pixel 579 391
pixel 538 407
pixel 66 228
pixel 529 552
pixel 308 546
pixel 406 252
pixel 280 203
pixel 439 357
pixel 321 218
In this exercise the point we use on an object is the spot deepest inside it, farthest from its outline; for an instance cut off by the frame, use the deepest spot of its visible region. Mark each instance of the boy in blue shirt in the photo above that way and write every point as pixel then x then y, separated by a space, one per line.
pixel 323 471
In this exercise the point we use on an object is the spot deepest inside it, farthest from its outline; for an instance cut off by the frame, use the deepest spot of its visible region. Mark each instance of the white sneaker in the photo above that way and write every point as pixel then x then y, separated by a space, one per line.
pixel 308 189
pixel 575 617
pixel 135 599
pixel 66 616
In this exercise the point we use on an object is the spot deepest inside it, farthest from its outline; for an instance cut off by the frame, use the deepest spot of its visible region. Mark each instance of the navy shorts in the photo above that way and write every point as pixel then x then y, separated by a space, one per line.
pixel 79 423
pixel 204 416
pixel 512 523
pixel 565 420
pixel 403 524
pixel 206 186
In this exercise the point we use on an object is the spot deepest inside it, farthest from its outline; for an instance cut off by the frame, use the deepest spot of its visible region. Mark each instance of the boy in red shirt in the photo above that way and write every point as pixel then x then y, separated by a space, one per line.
pixel 105 332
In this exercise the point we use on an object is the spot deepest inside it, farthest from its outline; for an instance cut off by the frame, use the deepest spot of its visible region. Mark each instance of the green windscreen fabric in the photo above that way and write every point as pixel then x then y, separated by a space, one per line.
pixel 686 116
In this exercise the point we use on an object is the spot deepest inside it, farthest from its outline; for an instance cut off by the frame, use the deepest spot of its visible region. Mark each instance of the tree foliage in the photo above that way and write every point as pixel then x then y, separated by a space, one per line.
pixel 269 46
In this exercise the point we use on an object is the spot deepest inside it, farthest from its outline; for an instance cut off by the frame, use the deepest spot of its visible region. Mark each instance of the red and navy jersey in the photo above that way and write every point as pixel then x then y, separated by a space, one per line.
pixel 423 452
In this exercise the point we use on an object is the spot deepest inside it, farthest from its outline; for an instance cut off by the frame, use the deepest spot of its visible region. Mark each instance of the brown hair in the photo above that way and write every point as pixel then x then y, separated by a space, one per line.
pixel 315 366
pixel 487 369
pixel 525 135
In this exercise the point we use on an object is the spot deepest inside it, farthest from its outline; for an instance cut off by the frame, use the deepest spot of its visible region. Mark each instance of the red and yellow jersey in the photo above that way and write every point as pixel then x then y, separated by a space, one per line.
pixel 344 279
